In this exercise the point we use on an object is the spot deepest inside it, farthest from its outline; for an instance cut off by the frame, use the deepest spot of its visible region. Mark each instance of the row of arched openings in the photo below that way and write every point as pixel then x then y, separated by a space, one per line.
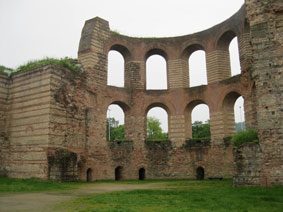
pixel 141 174
pixel 200 114
pixel 118 174
pixel 156 68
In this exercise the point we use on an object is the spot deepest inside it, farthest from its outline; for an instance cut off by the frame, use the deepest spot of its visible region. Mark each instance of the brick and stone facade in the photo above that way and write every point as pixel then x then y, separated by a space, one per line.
pixel 53 121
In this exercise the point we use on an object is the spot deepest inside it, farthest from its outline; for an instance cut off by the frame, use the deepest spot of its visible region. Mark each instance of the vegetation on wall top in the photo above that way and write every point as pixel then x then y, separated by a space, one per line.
pixel 243 137
pixel 66 62
pixel 5 69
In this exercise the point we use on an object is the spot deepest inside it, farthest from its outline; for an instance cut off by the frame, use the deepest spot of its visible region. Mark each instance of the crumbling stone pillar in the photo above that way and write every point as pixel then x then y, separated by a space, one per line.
pixel 91 50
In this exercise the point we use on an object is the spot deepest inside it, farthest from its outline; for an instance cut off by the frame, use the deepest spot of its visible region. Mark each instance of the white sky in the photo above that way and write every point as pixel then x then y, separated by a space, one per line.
pixel 34 29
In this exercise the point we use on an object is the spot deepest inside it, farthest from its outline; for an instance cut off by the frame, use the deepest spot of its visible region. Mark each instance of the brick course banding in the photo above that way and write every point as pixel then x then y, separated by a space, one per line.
pixel 50 115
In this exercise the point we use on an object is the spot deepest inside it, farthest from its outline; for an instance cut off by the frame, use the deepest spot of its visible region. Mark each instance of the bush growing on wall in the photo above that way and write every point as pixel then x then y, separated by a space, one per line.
pixel 244 137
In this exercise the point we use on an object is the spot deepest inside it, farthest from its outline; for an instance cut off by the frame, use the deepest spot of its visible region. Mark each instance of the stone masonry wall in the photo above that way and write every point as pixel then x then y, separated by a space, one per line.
pixel 266 29
pixel 49 109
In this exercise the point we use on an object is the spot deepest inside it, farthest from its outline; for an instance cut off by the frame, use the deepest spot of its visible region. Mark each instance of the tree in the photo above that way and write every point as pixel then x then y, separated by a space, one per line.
pixel 154 130
pixel 117 132
pixel 201 130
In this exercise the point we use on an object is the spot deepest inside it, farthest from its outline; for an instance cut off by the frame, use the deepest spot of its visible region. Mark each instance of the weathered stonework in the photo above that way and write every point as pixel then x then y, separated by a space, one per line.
pixel 50 110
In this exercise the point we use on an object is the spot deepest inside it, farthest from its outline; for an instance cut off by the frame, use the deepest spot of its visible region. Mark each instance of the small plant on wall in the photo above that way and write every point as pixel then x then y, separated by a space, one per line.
pixel 243 137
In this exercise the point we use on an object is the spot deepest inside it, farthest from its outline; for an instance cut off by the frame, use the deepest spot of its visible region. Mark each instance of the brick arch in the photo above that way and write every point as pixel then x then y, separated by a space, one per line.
pixel 189 50
pixel 123 50
pixel 158 104
pixel 125 107
pixel 225 39
pixel 156 51
pixel 188 113
pixel 229 96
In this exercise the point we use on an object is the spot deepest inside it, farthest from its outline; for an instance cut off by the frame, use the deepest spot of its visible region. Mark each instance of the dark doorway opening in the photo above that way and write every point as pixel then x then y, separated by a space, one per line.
pixel 118 173
pixel 141 174
pixel 89 175
pixel 200 173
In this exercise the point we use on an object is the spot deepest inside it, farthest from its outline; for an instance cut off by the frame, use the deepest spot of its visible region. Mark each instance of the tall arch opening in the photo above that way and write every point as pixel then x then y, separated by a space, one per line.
pixel 141 174
pixel 157 124
pixel 197 119
pixel 233 113
pixel 115 129
pixel 239 114
pixel 118 173
pixel 228 51
pixel 197 68
pixel 89 175
pixel 115 73
pixel 156 72
pixel 234 57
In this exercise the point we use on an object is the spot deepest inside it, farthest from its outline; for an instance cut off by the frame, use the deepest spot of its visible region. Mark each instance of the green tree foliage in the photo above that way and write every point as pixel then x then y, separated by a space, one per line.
pixel 154 131
pixel 117 132
pixel 201 130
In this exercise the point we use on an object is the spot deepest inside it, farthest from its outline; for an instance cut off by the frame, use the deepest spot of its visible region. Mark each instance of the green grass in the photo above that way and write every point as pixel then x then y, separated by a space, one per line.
pixel 33 185
pixel 183 196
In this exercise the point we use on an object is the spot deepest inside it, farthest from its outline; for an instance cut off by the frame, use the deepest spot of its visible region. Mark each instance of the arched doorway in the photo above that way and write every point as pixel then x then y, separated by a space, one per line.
pixel 200 173
pixel 89 175
pixel 141 174
pixel 118 173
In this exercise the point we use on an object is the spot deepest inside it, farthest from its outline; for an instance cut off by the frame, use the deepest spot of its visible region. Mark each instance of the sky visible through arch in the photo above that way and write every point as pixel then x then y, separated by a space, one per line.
pixel 34 29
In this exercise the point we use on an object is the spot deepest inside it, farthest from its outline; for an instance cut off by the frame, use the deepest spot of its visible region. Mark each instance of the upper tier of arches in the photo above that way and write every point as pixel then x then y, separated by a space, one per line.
pixel 97 41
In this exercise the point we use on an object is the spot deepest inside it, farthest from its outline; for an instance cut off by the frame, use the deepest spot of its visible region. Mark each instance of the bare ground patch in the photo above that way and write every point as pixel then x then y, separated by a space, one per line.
pixel 45 201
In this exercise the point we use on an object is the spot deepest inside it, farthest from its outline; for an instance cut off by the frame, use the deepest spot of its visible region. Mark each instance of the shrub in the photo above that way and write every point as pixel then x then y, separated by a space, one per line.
pixel 245 137
pixel 6 69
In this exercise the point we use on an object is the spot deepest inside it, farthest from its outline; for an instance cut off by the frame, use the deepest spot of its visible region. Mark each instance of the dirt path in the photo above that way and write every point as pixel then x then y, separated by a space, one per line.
pixel 45 201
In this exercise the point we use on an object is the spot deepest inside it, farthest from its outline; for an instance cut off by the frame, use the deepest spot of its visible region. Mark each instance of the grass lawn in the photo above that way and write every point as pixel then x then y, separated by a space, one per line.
pixel 33 185
pixel 183 196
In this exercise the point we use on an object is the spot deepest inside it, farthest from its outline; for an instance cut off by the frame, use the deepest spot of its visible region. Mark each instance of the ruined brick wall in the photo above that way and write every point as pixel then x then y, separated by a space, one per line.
pixel 173 159
pixel 27 123
pixel 50 108
pixel 266 20
pixel 248 164
pixel 4 142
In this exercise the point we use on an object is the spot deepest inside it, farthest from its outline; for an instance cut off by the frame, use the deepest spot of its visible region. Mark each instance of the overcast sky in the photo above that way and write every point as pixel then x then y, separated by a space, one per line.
pixel 34 29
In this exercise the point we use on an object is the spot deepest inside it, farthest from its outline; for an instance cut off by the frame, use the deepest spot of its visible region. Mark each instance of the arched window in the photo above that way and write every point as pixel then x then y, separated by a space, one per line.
pixel 115 74
pixel 233 113
pixel 228 51
pixel 157 124
pixel 197 68
pixel 197 122
pixel 115 129
pixel 239 114
pixel 200 122
pixel 234 57
pixel 156 73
